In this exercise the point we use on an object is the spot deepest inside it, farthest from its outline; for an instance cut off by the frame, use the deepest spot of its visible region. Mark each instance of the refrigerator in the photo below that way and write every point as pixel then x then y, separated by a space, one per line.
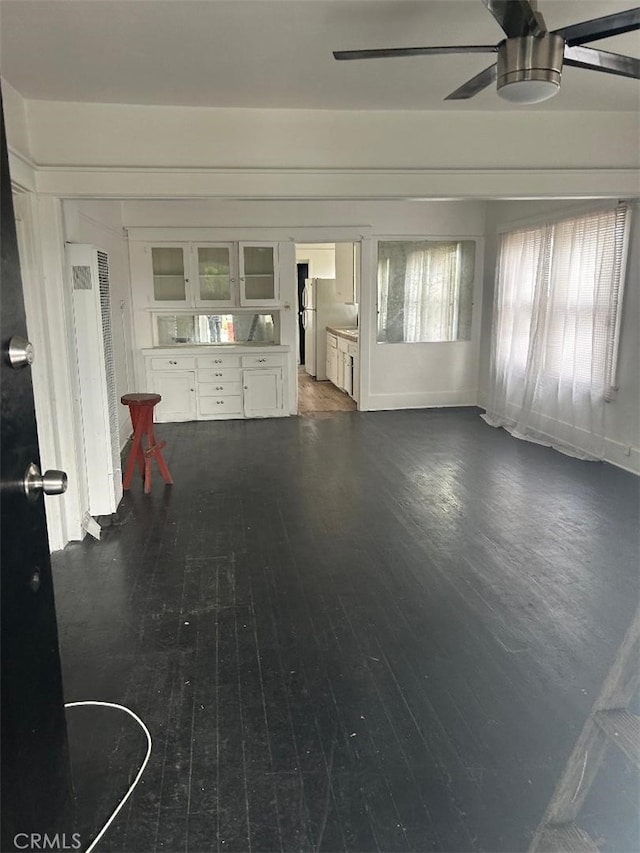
pixel 320 308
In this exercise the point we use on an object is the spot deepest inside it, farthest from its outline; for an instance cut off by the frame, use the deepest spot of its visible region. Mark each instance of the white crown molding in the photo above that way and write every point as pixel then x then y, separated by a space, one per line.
pixel 367 184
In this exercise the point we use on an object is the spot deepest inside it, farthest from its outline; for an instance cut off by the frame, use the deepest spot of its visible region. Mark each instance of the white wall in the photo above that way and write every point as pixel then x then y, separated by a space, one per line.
pixel 622 416
pixel 83 134
pixel 99 224
pixel 100 151
pixel 321 258
pixel 393 375
pixel 126 151
pixel 15 118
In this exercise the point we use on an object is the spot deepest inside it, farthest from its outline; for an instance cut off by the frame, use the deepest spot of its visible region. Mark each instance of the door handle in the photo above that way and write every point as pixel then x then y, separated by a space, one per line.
pixel 20 352
pixel 49 483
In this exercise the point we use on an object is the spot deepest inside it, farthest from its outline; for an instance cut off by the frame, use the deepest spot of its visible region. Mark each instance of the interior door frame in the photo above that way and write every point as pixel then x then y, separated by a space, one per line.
pixel 50 323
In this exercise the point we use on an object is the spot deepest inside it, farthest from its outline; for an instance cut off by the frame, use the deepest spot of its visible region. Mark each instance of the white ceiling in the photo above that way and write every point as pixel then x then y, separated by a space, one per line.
pixel 277 53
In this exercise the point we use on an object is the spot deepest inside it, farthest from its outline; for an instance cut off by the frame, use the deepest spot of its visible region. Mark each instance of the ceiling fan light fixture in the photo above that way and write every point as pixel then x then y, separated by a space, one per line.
pixel 530 68
pixel 528 91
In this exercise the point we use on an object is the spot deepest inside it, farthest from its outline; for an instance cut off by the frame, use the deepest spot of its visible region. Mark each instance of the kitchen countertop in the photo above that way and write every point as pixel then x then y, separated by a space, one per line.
pixel 349 334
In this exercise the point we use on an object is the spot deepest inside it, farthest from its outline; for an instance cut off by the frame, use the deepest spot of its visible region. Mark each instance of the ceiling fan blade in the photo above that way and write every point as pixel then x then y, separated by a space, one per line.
pixel 601 28
pixel 377 53
pixel 602 60
pixel 476 84
pixel 516 17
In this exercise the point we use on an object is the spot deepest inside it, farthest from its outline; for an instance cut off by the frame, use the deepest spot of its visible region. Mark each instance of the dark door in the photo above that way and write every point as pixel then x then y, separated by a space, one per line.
pixel 303 275
pixel 36 781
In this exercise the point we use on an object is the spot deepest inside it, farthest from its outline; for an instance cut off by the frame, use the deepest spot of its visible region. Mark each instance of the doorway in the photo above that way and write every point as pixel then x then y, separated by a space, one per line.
pixel 303 275
pixel 325 300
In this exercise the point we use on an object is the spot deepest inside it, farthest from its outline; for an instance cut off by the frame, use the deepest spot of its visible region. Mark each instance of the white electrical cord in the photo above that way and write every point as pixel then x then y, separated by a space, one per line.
pixel 140 771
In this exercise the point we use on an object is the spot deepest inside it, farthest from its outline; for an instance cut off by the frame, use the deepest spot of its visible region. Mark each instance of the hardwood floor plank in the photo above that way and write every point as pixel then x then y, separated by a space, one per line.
pixel 370 631
pixel 321 397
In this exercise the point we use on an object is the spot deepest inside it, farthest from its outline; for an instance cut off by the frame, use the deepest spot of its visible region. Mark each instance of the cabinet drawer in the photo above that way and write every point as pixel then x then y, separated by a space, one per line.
pixel 262 361
pixel 220 405
pixel 219 375
pixel 352 349
pixel 219 389
pixel 180 362
pixel 332 341
pixel 218 361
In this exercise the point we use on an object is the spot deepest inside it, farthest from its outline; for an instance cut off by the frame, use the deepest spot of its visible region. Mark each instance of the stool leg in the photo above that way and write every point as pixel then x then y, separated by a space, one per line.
pixel 148 417
pixel 137 414
pixel 138 425
pixel 157 452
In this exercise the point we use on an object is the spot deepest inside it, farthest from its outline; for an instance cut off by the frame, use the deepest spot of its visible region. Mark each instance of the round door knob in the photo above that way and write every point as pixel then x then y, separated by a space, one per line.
pixel 49 483
pixel 20 352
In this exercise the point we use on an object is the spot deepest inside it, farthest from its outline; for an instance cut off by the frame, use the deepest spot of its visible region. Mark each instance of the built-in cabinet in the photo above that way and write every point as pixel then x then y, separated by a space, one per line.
pixel 332 358
pixel 343 364
pixel 175 380
pixel 208 275
pixel 241 382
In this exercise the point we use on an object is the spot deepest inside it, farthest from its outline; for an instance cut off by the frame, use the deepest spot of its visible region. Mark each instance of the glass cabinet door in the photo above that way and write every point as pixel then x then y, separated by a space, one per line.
pixel 169 281
pixel 258 279
pixel 216 279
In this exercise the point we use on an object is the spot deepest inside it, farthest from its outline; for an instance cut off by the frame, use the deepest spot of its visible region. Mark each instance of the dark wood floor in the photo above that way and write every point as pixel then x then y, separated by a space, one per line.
pixel 372 632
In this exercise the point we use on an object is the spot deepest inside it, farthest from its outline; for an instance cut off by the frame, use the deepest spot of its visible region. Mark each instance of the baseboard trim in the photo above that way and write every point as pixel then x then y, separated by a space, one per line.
pixel 420 400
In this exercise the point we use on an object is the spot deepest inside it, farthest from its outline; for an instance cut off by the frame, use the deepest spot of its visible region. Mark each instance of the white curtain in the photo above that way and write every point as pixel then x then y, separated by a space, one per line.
pixel 431 293
pixel 556 319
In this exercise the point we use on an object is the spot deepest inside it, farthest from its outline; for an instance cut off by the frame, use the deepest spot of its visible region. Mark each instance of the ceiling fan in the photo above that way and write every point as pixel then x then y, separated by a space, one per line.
pixel 530 58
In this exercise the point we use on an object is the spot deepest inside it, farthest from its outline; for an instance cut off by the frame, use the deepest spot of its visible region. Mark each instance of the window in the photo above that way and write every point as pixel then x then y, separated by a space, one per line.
pixel 559 289
pixel 425 290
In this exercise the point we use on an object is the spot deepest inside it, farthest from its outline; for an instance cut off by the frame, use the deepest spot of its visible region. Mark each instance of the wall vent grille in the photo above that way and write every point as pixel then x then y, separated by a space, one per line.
pixel 81 277
pixel 109 362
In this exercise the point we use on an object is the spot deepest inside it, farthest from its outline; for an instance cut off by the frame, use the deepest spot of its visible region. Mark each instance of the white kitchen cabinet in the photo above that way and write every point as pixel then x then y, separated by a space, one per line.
pixel 262 391
pixel 259 281
pixel 177 389
pixel 186 275
pixel 332 358
pixel 216 384
pixel 347 373
pixel 355 357
pixel 348 272
pixel 343 364
pixel 167 275
pixel 216 275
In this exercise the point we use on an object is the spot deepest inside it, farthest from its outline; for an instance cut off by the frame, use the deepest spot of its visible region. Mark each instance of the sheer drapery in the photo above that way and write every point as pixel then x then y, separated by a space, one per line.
pixel 556 321
pixel 425 290
pixel 431 294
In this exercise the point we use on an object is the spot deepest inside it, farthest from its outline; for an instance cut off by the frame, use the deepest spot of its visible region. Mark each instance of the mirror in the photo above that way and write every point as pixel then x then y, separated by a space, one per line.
pixel 233 328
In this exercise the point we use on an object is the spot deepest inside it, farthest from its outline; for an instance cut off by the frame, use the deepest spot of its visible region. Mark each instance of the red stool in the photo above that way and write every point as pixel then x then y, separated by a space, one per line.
pixel 141 411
